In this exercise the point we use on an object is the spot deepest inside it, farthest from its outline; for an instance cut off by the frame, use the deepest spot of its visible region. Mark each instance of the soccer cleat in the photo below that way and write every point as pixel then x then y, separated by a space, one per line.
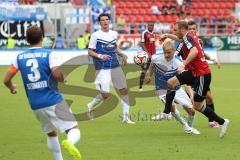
pixel 223 128
pixel 72 150
pixel 162 116
pixel 213 125
pixel 140 89
pixel 187 129
pixel 195 131
pixel 128 121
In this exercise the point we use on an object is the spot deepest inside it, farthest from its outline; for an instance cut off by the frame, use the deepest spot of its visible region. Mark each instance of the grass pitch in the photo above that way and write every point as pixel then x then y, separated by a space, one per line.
pixel 106 138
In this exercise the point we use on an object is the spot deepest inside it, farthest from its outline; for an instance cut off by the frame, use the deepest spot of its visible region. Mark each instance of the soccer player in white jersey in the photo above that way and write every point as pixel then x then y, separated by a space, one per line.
pixel 104 51
pixel 165 67
pixel 40 73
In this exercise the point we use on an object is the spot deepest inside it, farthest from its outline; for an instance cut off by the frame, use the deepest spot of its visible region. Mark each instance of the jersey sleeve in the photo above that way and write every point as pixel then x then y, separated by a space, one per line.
pixel 143 36
pixel 93 41
pixel 54 60
pixel 188 40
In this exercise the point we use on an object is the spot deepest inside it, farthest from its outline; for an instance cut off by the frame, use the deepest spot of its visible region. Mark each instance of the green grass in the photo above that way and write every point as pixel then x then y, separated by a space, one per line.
pixel 105 138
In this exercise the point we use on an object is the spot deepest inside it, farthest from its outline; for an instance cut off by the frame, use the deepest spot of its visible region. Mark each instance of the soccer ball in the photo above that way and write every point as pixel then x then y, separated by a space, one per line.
pixel 140 58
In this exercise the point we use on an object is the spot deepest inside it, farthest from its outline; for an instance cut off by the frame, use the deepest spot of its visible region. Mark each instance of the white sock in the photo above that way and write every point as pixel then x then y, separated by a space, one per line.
pixel 125 106
pixel 95 101
pixel 190 120
pixel 73 135
pixel 54 146
pixel 178 117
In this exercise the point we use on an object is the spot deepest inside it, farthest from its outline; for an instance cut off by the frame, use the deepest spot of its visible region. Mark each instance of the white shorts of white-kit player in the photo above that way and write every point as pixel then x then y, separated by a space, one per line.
pixel 56 117
pixel 110 77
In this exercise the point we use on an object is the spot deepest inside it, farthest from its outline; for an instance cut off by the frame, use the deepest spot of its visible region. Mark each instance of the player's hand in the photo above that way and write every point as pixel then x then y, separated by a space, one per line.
pixel 13 90
pixel 180 69
pixel 163 37
pixel 103 56
pixel 217 63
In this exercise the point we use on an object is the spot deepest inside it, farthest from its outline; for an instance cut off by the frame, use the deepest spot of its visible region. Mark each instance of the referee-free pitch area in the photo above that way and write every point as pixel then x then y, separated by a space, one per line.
pixel 106 138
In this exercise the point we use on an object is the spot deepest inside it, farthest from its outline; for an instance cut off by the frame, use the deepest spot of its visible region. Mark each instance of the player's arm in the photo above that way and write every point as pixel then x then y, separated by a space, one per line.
pixel 11 72
pixel 171 36
pixel 191 56
pixel 149 74
pixel 207 56
pixel 92 46
pixel 92 53
pixel 57 74
pixel 142 44
pixel 120 54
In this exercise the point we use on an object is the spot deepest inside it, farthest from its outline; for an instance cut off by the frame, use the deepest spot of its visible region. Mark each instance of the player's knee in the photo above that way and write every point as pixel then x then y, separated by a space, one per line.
pixel 209 99
pixel 105 95
pixel 191 111
pixel 52 134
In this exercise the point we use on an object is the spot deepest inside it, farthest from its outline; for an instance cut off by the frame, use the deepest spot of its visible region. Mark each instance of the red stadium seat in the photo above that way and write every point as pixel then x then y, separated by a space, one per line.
pixel 137 4
pixel 208 5
pixel 129 4
pixel 227 12
pixel 135 11
pixel 215 5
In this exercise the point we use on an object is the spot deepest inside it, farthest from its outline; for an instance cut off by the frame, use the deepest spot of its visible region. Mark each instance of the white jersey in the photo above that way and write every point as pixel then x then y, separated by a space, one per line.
pixel 164 70
pixel 104 43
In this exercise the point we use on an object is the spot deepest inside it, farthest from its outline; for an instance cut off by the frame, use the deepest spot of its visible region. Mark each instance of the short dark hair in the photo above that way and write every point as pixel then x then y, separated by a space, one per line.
pixel 182 24
pixel 190 23
pixel 34 35
pixel 103 15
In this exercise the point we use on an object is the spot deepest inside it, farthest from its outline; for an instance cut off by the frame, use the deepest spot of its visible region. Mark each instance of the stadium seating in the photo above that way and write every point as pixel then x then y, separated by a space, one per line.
pixel 142 9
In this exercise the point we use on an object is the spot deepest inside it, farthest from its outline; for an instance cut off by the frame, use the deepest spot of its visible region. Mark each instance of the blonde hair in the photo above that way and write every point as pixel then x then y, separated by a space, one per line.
pixel 168 45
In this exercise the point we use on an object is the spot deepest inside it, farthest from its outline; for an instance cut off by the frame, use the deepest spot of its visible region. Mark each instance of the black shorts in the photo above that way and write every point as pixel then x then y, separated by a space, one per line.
pixel 200 84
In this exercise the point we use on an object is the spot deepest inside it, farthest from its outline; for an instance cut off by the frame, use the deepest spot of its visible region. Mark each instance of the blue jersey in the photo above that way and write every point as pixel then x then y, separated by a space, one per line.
pixel 40 86
pixel 164 70
pixel 104 43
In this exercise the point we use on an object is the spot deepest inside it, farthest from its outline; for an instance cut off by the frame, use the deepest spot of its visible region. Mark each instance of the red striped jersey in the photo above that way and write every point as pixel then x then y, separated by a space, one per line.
pixel 148 38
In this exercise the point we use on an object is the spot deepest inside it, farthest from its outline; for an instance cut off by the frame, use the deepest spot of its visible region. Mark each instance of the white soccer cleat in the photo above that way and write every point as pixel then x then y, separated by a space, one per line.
pixel 140 90
pixel 162 116
pixel 128 121
pixel 223 128
pixel 195 131
pixel 187 129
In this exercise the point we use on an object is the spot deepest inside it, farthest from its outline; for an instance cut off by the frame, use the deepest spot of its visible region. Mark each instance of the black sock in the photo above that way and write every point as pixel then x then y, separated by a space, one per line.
pixel 211 106
pixel 208 112
pixel 142 79
pixel 169 99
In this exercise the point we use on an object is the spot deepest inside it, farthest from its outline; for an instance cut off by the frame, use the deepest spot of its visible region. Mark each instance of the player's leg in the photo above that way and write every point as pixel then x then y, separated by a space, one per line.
pixel 201 87
pixel 61 118
pixel 177 115
pixel 184 101
pixel 143 73
pixel 73 136
pixel 210 104
pixel 102 82
pixel 54 145
pixel 119 82
pixel 49 129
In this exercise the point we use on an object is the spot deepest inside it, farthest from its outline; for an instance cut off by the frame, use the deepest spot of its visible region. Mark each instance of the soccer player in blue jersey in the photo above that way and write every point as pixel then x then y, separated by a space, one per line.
pixel 40 73
pixel 104 51
pixel 165 67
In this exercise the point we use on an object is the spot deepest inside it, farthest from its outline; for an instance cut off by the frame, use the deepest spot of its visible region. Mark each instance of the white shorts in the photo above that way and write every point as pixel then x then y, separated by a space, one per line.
pixel 56 117
pixel 181 98
pixel 110 77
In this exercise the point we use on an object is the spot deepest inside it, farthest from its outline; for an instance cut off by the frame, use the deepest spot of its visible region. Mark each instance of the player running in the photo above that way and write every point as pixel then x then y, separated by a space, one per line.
pixel 40 73
pixel 104 50
pixel 165 68
pixel 195 72
pixel 148 45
